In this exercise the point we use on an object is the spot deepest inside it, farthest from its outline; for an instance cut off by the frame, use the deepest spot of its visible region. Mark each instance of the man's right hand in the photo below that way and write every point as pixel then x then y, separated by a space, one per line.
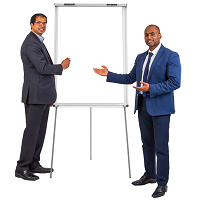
pixel 102 72
pixel 65 63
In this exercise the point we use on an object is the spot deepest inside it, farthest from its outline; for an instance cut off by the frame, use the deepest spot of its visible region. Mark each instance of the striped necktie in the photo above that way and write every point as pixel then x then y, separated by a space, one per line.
pixel 146 71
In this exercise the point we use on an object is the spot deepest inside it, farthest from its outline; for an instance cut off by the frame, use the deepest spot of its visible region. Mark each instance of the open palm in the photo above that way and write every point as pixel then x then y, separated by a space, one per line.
pixel 102 72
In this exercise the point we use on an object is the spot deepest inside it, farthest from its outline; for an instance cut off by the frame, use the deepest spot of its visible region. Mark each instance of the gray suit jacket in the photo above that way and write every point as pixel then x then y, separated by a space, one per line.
pixel 39 71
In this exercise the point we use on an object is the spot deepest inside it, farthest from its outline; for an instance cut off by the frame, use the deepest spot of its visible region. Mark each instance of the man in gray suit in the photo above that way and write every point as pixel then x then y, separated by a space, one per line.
pixel 38 94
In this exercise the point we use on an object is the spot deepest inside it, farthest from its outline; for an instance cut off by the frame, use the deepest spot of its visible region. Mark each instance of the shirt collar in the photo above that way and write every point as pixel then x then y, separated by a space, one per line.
pixel 40 37
pixel 155 51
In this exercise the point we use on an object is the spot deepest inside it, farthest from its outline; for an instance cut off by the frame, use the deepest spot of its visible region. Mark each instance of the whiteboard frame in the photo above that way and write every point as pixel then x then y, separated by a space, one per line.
pixel 125 56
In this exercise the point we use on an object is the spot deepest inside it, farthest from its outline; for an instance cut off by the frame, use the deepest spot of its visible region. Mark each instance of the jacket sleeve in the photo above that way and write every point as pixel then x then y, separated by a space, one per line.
pixel 123 78
pixel 173 77
pixel 36 56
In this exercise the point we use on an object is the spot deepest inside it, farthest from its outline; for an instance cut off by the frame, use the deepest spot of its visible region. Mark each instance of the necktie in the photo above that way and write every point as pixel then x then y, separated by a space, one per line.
pixel 146 71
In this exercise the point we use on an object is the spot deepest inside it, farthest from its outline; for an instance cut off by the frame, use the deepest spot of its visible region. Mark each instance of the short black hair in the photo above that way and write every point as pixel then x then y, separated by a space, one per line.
pixel 155 26
pixel 33 18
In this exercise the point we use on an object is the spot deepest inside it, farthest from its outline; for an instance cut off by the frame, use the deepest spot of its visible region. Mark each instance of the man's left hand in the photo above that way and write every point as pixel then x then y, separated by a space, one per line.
pixel 144 88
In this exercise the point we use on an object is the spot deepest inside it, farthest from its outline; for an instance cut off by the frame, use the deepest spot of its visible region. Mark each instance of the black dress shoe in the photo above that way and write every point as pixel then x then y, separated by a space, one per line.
pixel 144 180
pixel 41 169
pixel 160 191
pixel 26 175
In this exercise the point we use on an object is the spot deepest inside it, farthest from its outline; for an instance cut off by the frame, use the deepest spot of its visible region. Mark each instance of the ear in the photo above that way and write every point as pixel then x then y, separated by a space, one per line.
pixel 31 25
pixel 160 35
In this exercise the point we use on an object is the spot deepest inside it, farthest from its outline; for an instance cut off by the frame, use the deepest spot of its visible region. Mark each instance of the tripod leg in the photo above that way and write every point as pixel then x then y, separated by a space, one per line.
pixel 53 140
pixel 127 142
pixel 90 133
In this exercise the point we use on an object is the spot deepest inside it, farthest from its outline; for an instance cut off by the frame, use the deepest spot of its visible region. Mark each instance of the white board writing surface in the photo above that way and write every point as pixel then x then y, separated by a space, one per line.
pixel 90 37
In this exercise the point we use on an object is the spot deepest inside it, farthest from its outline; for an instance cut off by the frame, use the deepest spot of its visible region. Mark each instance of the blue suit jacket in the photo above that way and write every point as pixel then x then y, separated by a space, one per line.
pixel 39 83
pixel 164 77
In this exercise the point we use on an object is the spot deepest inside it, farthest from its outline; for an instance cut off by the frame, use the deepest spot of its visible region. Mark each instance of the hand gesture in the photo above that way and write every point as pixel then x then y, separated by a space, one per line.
pixel 65 63
pixel 144 88
pixel 101 72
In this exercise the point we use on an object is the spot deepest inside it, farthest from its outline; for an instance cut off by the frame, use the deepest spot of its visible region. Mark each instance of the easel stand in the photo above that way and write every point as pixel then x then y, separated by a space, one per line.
pixel 125 69
pixel 90 106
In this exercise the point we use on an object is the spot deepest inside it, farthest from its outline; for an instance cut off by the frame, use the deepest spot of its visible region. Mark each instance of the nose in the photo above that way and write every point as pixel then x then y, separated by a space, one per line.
pixel 149 36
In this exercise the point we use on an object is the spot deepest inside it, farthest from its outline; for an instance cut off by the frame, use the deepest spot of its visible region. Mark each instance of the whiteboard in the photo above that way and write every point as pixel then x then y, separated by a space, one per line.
pixel 91 35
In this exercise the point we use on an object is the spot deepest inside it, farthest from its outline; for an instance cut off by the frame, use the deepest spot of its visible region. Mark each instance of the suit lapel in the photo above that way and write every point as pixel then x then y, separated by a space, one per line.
pixel 156 59
pixel 44 48
pixel 48 54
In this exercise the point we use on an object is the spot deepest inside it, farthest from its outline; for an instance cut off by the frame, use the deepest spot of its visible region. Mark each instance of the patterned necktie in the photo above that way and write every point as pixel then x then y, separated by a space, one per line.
pixel 146 71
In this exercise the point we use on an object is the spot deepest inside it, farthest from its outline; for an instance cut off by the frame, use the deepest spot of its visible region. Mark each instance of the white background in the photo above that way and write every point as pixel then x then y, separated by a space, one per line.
pixel 94 37
pixel 106 176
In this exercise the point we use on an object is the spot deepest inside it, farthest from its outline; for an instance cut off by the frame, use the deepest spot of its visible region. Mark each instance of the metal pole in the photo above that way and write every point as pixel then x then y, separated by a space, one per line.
pixel 90 133
pixel 127 142
pixel 56 107
pixel 125 50
pixel 56 44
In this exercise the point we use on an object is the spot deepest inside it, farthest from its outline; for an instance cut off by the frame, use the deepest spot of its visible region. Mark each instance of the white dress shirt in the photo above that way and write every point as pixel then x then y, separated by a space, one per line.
pixel 155 51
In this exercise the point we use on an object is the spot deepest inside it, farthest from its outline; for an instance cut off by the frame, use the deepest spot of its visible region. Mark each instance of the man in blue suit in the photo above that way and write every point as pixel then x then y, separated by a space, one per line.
pixel 38 94
pixel 157 73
